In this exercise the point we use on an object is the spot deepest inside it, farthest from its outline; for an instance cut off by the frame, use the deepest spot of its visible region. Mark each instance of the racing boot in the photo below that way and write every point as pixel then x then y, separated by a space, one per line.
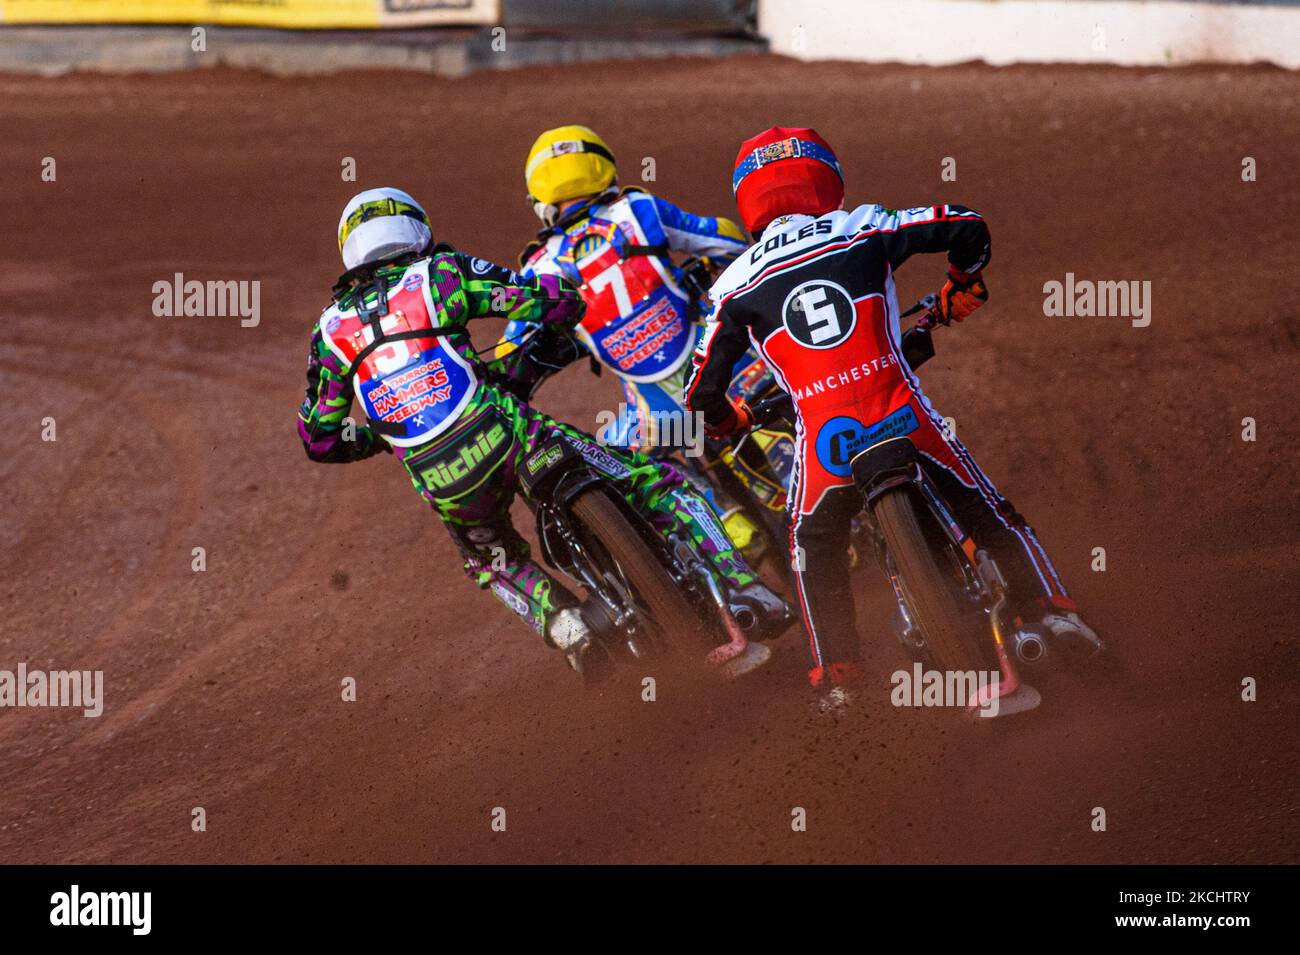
pixel 1059 639
pixel 576 632
pixel 1077 638
pixel 837 686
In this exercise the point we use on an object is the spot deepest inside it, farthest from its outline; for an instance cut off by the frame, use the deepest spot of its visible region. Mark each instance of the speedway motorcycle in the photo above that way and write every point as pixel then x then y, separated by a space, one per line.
pixel 655 589
pixel 951 597
pixel 753 476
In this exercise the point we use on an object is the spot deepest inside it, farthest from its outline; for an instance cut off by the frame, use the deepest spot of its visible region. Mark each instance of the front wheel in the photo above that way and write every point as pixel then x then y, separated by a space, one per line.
pixel 671 614
pixel 928 580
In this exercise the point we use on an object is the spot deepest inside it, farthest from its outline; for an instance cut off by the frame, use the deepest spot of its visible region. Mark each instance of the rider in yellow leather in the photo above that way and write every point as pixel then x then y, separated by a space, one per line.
pixel 644 313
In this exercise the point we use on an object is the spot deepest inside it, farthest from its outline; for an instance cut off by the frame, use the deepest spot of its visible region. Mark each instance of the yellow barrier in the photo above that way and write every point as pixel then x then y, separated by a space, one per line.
pixel 293 14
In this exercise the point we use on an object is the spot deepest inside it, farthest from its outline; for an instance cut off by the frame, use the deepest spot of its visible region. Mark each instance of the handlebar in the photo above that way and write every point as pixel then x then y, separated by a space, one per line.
pixel 929 304
pixel 766 410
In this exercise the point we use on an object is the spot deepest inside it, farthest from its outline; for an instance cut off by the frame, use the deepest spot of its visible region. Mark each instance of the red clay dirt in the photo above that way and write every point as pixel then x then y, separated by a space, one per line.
pixel 223 687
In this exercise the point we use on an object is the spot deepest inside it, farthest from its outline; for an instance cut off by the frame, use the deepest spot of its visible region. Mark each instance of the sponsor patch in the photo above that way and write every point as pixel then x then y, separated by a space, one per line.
pixel 480 266
pixel 457 468
pixel 599 459
pixel 651 337
pixel 707 520
pixel 543 459
pixel 515 602
pixel 401 396
pixel 785 149
pixel 841 439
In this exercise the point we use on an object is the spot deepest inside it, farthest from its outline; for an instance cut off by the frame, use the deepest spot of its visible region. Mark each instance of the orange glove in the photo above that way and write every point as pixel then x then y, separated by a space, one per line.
pixel 740 420
pixel 961 295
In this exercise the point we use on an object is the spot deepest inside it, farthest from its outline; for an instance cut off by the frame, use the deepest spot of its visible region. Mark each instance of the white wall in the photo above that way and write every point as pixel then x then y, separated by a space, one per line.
pixel 1129 32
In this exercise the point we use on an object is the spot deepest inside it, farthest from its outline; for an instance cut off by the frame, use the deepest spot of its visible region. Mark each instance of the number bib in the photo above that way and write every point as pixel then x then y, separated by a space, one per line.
pixel 636 320
pixel 419 385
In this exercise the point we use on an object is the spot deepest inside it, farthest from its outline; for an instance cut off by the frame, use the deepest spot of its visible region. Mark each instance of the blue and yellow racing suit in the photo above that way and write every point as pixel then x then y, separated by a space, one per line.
pixel 643 315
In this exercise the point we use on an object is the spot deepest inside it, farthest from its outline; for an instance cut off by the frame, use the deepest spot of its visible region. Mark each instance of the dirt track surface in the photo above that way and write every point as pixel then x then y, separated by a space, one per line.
pixel 223 687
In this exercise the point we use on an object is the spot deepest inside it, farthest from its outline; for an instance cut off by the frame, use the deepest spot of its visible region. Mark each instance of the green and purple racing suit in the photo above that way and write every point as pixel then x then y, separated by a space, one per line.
pixel 394 339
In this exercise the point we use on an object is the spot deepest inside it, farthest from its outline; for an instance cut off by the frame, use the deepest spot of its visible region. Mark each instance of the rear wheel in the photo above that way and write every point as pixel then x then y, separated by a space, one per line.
pixel 929 582
pixel 671 614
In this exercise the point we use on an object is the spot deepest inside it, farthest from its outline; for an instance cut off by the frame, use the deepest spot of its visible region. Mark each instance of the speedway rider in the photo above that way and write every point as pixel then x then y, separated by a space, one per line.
pixel 816 294
pixel 395 338
pixel 642 319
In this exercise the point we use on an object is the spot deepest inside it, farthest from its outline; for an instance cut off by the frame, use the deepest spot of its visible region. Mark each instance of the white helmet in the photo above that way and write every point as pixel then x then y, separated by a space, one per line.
pixel 381 224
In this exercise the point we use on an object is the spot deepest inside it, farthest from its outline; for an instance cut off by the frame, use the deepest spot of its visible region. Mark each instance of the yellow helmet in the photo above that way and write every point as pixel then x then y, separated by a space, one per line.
pixel 565 163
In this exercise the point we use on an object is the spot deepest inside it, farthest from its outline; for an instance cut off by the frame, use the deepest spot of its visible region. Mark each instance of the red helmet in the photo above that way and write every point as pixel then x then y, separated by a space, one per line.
pixel 782 171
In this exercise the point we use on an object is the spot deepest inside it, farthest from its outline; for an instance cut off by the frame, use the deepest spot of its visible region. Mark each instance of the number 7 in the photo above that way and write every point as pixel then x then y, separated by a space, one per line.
pixel 613 278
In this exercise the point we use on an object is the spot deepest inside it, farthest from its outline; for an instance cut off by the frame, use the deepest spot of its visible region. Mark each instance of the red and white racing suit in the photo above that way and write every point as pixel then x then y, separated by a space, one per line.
pixel 816 296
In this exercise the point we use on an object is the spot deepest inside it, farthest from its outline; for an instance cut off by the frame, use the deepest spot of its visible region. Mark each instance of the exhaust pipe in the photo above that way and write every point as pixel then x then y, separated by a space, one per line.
pixel 744 616
pixel 1029 647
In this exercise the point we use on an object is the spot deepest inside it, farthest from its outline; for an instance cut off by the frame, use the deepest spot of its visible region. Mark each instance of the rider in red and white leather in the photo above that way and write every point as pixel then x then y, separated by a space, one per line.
pixel 816 295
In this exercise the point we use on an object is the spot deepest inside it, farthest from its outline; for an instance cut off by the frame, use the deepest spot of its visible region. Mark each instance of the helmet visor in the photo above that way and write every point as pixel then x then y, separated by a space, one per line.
pixel 375 208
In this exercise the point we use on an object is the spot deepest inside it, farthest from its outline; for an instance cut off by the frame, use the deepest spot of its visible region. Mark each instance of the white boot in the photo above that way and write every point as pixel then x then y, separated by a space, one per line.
pixel 1069 630
pixel 837 700
pixel 568 631
pixel 571 632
